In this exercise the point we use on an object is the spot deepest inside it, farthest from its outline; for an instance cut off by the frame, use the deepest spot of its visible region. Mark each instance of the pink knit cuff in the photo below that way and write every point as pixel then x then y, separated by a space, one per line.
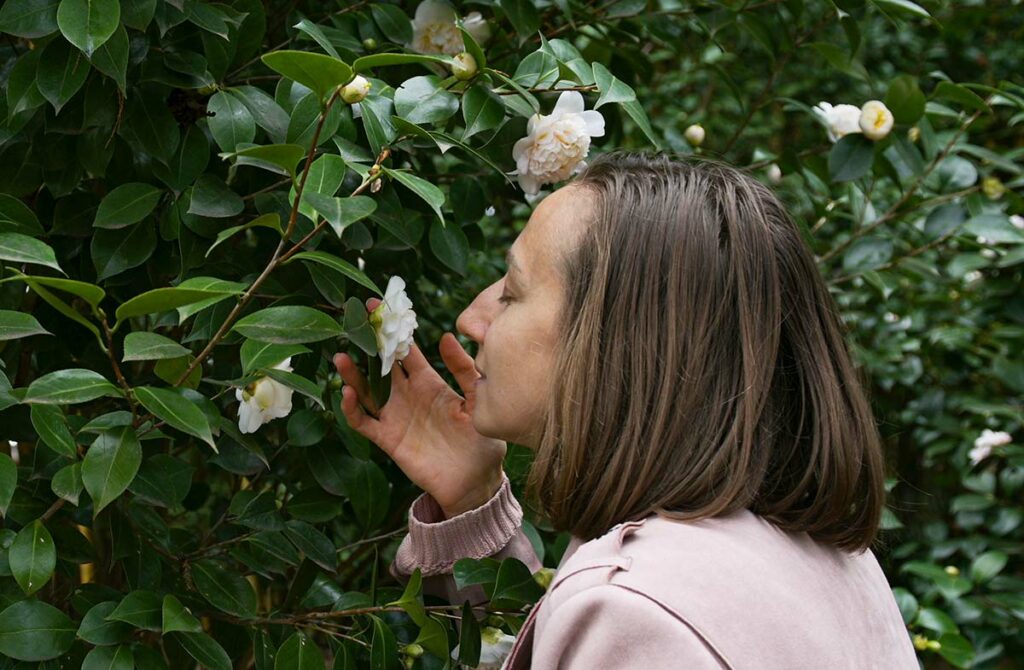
pixel 434 543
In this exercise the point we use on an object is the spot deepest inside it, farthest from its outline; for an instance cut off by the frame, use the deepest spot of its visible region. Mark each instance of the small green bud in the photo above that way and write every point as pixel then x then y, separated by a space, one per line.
pixel 920 642
pixel 543 577
pixel 356 90
pixel 369 44
pixel 413 650
pixel 993 187
pixel 952 571
pixel 464 66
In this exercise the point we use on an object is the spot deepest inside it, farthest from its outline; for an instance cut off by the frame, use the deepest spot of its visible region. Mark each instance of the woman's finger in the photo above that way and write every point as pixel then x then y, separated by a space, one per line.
pixel 416 363
pixel 357 418
pixel 352 376
pixel 461 364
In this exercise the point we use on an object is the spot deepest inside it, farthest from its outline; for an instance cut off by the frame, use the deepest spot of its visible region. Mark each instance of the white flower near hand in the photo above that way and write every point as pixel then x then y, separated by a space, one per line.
pixel 556 144
pixel 985 442
pixel 264 400
pixel 394 322
pixel 495 646
pixel 435 30
pixel 840 120
pixel 875 120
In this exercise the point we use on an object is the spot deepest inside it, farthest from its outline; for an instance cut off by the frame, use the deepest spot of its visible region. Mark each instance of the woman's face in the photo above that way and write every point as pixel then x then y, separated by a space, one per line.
pixel 514 322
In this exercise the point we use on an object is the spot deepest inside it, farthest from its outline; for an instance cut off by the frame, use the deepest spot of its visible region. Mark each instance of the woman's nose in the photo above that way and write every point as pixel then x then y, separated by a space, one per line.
pixel 474 320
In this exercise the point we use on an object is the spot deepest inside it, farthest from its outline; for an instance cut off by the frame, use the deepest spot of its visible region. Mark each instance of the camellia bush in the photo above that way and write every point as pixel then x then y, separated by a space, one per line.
pixel 198 199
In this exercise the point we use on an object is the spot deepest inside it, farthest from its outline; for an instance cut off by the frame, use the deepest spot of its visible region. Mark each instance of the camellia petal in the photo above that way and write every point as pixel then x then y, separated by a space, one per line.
pixel 394 322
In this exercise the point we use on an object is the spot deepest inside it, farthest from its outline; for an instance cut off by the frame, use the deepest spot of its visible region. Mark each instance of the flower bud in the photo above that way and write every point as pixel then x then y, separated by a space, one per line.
pixel 495 621
pixel 914 134
pixel 934 645
pixel 774 173
pixel 993 187
pixel 356 90
pixel 952 571
pixel 694 134
pixel 875 120
pixel 414 650
pixel 369 44
pixel 543 577
pixel 464 66
pixel 920 642
pixel 408 663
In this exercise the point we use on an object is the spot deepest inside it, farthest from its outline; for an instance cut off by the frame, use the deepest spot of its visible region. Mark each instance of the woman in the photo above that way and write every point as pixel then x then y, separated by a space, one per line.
pixel 664 342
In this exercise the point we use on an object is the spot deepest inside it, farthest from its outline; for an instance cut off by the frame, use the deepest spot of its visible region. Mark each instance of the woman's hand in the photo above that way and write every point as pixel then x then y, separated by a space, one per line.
pixel 426 427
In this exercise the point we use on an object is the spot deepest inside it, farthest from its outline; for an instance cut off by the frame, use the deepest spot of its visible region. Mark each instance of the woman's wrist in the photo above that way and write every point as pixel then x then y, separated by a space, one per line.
pixel 476 498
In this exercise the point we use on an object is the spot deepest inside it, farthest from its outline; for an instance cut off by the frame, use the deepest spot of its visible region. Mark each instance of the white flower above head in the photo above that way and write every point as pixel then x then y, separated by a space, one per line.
pixel 435 30
pixel 840 120
pixel 264 400
pixel 985 442
pixel 556 144
pixel 875 120
pixel 394 322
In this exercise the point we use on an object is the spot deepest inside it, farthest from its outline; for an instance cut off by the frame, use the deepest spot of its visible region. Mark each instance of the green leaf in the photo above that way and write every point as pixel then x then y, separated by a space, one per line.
pixel 963 96
pixel 177 618
pixel 15 325
pixel 32 557
pixel 149 126
pixel 95 629
pixel 469 571
pixel 312 543
pixel 109 658
pixel 176 411
pixel 936 620
pixel 299 653
pixel 469 638
pixel 956 649
pixel 67 483
pixel 272 221
pixel 514 585
pixel 8 482
pixel 65 387
pixel 429 193
pixel 636 112
pixel 341 265
pixel 255 354
pixel 62 72
pixel 382 60
pixel 126 204
pixel 226 590
pixel 867 253
pixel 357 326
pixel 298 383
pixel 538 70
pixel 851 158
pixel 383 648
pixel 90 293
pixel 291 324
pixel 450 245
pixel 424 100
pixel 114 251
pixel 988 565
pixel 142 609
pixel 88 23
pixel 165 299
pixel 279 158
pixel 231 122
pixel 110 465
pixel 472 48
pixel 905 99
pixel 317 33
pixel 369 493
pixel 52 428
pixel 22 92
pixel 217 289
pixel 481 110
pixel 29 18
pixel 612 88
pixel 393 22
pixel 316 72
pixel 142 346
pixel 325 176
pixel 16 217
pixel 212 197
pixel 205 650
pixel 904 6
pixel 20 248
pixel 162 480
pixel 56 302
pixel 209 17
pixel 994 227
pixel 523 15
pixel 341 212
pixel 31 630
pixel 112 58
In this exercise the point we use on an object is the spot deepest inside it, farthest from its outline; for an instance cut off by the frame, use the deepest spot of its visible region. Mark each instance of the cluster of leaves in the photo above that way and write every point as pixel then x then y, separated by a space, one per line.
pixel 186 202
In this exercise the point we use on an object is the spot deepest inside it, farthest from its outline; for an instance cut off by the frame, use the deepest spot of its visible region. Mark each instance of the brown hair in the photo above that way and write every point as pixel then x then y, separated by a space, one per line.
pixel 702 367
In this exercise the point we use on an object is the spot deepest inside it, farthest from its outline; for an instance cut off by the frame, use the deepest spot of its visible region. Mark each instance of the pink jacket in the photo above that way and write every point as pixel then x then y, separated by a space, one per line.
pixel 731 592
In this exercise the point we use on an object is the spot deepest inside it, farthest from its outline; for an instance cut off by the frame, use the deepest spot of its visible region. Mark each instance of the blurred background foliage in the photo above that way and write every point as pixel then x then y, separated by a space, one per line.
pixel 918 235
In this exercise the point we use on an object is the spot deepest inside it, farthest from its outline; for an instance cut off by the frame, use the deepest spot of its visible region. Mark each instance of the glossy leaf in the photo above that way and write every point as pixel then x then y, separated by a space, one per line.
pixel 178 412
pixel 52 428
pixel 31 630
pixel 317 72
pixel 20 248
pixel 127 204
pixel 142 346
pixel 88 23
pixel 33 557
pixel 110 465
pixel 65 387
pixel 15 325
pixel 288 325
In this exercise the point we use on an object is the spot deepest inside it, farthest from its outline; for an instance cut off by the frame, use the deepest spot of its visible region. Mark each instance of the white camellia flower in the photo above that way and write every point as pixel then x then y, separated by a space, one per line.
pixel 264 400
pixel 985 442
pixel 1017 221
pixel 394 322
pixel 695 135
pixel 435 31
pixel 556 144
pixel 841 120
pixel 495 646
pixel 875 120
pixel 774 173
